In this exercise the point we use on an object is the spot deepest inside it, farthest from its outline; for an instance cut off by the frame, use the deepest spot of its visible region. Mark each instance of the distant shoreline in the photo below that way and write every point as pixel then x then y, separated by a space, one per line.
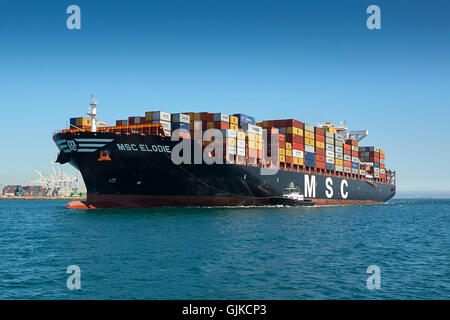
pixel 42 198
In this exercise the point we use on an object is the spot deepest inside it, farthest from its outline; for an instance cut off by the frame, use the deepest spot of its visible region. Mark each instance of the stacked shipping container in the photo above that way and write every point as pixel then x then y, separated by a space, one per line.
pixel 374 159
pixel 320 148
pixel 24 191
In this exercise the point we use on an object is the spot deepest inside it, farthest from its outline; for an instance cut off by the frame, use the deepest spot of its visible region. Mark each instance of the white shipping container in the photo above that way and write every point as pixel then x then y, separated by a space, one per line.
pixel 161 116
pixel 166 124
pixel 308 127
pixel 240 151
pixel 347 170
pixel 339 168
pixel 382 161
pixel 376 170
pixel 362 172
pixel 339 137
pixel 347 157
pixel 339 149
pixel 376 175
pixel 383 171
pixel 339 156
pixel 250 128
pixel 329 160
pixel 309 149
pixel 181 117
pixel 354 171
pixel 101 123
pixel 221 117
pixel 297 153
pixel 329 154
pixel 230 150
pixel 240 143
pixel 354 148
pixel 355 159
pixel 229 133
pixel 329 134
pixel 329 141
pixel 338 143
pixel 329 147
pixel 376 149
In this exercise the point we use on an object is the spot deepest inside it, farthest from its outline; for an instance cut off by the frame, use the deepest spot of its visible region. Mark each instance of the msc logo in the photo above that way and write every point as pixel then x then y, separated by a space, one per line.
pixel 72 145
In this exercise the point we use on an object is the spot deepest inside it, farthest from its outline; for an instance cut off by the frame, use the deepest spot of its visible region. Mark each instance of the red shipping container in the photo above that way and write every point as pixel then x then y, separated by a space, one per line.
pixel 279 123
pixel 354 153
pixel 348 152
pixel 282 144
pixel 221 125
pixel 320 165
pixel 347 146
pixel 320 138
pixel 288 123
pixel 134 120
pixel 288 159
pixel 320 151
pixel 319 131
pixel 282 137
pixel 347 164
pixel 381 156
pixel 297 146
pixel 319 158
pixel 293 138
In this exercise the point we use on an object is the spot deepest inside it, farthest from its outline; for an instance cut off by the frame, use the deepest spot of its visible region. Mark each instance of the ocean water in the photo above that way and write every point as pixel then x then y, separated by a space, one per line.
pixel 226 253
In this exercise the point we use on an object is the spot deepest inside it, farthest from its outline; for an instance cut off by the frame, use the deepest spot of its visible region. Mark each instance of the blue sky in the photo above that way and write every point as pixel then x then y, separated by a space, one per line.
pixel 310 60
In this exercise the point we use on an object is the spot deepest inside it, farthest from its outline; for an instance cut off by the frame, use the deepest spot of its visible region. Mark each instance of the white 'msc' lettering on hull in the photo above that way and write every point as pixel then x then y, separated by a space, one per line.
pixel 143 147
pixel 311 184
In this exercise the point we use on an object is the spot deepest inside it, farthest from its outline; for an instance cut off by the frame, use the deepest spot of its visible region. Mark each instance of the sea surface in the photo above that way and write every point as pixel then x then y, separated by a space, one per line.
pixel 226 253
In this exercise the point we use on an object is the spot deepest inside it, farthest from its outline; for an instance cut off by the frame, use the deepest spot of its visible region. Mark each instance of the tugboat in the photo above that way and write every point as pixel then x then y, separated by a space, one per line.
pixel 292 198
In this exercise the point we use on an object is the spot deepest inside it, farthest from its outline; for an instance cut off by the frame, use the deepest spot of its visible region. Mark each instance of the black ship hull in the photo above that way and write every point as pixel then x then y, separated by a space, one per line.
pixel 130 171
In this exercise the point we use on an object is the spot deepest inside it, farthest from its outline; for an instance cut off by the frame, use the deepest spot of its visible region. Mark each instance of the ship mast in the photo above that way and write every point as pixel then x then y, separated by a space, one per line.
pixel 92 112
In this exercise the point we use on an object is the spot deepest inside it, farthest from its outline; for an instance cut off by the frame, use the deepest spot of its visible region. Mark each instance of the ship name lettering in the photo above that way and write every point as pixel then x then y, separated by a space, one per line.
pixel 328 185
pixel 142 147
pixel 310 186
pixel 344 194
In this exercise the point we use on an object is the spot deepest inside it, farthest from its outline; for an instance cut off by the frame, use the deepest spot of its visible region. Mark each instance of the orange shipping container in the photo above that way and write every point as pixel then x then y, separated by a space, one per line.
pixel 320 138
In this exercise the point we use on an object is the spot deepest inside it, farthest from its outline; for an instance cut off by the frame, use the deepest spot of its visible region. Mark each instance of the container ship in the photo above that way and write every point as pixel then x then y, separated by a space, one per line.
pixel 215 159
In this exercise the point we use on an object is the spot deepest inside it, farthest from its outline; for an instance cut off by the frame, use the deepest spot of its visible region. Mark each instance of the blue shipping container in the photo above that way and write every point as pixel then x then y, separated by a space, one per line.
pixel 309 156
pixel 355 165
pixel 73 121
pixel 376 164
pixel 180 125
pixel 330 166
pixel 309 163
pixel 243 118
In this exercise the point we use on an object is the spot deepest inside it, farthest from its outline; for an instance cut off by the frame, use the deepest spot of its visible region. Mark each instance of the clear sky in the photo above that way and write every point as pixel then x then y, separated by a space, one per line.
pixel 310 60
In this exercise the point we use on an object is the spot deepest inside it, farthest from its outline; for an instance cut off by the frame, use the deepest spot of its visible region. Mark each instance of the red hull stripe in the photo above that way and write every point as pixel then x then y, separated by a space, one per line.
pixel 147 201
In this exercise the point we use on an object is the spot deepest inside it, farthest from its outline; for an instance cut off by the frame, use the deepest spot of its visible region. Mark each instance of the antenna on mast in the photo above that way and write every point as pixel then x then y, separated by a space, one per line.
pixel 92 112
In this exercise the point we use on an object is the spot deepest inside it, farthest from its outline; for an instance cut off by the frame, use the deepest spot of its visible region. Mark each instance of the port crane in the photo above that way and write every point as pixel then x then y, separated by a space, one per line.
pixel 59 182
pixel 341 131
